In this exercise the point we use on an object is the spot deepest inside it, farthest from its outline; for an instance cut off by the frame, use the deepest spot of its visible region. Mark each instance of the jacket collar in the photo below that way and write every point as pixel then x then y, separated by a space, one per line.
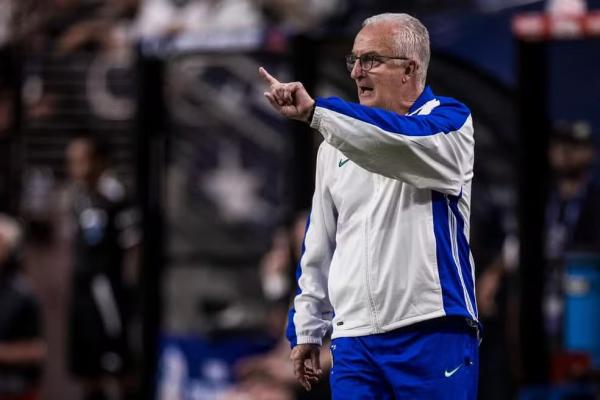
pixel 425 96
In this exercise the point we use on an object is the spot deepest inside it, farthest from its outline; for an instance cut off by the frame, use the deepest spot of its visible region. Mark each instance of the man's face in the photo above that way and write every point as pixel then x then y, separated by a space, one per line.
pixel 382 85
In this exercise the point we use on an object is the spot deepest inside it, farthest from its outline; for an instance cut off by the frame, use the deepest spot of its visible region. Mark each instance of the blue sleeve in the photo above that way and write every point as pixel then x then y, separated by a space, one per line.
pixel 448 117
pixel 431 150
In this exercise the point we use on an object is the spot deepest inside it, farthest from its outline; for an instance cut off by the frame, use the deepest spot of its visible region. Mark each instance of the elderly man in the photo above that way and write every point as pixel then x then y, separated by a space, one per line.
pixel 386 258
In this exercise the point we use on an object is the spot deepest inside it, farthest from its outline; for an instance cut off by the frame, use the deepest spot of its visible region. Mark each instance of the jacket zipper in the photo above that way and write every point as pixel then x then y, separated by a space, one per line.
pixel 373 308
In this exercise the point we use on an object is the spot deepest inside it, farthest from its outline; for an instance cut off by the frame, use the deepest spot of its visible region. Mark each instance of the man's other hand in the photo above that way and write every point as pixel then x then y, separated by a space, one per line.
pixel 307 366
pixel 289 99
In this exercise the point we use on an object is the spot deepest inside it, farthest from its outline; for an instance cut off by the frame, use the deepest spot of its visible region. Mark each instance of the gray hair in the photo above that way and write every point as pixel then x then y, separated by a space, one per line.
pixel 410 36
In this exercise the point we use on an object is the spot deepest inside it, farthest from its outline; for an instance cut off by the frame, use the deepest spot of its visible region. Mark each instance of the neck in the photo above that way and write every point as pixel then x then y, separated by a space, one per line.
pixel 408 98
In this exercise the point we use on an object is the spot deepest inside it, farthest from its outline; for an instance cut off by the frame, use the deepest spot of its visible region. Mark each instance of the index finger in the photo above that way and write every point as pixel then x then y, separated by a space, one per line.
pixel 267 77
pixel 316 362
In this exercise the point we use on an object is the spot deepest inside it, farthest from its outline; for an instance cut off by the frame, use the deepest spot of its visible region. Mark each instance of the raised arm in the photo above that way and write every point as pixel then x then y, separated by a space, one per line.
pixel 432 150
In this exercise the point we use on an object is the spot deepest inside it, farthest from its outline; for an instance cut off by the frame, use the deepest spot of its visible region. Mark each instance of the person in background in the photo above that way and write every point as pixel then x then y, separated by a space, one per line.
pixel 22 347
pixel 301 16
pixel 271 375
pixel 166 18
pixel 104 230
pixel 493 239
pixel 572 213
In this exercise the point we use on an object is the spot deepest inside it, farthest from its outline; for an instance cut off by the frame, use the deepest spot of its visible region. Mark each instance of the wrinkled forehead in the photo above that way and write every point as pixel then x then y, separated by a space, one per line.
pixel 377 38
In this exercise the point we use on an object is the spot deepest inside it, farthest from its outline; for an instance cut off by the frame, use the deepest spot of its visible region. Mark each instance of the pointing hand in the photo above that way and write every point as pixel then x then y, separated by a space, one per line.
pixel 290 99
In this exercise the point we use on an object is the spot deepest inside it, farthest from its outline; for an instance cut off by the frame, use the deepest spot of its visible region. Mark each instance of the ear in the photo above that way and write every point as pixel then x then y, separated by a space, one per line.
pixel 411 69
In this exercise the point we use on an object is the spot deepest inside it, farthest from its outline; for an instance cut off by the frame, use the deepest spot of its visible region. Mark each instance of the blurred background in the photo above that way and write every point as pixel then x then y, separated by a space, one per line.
pixel 152 205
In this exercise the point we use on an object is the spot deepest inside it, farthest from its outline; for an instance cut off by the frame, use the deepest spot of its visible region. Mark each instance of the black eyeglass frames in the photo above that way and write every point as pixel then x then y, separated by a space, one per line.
pixel 368 61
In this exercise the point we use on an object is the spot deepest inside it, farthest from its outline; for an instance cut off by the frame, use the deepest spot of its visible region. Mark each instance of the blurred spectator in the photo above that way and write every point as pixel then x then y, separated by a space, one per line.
pixel 302 15
pixel 276 281
pixel 22 349
pixel 66 26
pixel 270 376
pixel 96 25
pixel 572 213
pixel 162 18
pixel 105 229
pixel 572 221
pixel 495 291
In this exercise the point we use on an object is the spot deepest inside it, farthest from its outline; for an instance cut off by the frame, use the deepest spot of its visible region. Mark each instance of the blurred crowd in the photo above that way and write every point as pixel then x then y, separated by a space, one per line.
pixel 69 276
pixel 570 233
pixel 71 25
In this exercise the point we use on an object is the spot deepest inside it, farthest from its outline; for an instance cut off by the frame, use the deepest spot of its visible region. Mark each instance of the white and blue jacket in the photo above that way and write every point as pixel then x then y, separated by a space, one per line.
pixel 387 241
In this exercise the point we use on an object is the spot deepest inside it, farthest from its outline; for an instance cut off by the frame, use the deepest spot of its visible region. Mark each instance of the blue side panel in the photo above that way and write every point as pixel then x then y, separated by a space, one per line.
pixel 448 117
pixel 452 292
pixel 464 250
pixel 290 331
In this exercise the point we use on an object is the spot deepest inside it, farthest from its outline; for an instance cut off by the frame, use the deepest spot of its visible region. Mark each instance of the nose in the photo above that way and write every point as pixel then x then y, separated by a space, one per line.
pixel 357 71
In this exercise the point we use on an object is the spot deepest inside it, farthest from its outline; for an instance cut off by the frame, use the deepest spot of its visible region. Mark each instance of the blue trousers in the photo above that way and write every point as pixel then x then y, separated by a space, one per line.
pixel 432 360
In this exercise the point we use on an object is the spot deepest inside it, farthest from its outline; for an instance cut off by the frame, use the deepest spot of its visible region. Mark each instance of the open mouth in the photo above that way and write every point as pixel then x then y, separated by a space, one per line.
pixel 365 90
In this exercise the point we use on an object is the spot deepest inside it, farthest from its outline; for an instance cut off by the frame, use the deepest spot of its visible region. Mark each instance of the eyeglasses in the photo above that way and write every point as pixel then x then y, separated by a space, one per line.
pixel 368 61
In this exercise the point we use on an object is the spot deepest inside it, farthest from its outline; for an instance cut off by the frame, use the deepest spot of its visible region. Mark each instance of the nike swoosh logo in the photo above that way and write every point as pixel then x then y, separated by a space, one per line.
pixel 342 162
pixel 448 374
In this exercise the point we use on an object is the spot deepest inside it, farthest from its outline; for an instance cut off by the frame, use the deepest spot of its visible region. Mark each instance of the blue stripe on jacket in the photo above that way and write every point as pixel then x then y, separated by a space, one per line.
pixel 452 289
pixel 464 252
pixel 448 117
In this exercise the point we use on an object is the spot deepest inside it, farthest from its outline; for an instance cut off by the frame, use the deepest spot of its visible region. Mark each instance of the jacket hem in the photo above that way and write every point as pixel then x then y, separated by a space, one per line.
pixel 388 327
